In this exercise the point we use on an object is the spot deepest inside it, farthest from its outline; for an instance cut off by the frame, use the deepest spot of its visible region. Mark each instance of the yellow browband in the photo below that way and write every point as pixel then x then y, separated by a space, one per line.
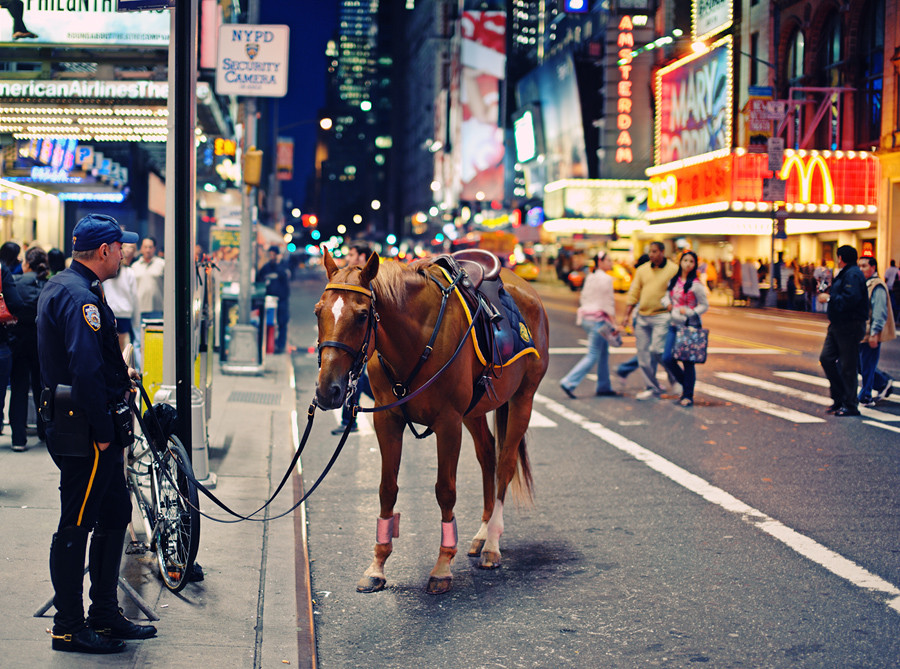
pixel 348 286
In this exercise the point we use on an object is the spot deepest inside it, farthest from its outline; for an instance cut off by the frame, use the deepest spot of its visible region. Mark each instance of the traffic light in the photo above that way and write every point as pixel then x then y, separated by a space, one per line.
pixel 575 6
pixel 252 166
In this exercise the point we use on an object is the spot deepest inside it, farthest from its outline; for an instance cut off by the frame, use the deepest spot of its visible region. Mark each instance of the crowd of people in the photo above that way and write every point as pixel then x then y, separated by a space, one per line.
pixel 136 291
pixel 665 297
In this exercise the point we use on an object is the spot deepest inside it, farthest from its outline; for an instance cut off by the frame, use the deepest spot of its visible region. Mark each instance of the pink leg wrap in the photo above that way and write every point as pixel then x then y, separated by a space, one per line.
pixel 448 534
pixel 387 529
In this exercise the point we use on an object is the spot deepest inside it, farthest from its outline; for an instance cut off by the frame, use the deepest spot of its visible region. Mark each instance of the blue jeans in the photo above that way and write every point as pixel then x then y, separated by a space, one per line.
pixel 685 372
pixel 627 367
pixel 598 352
pixel 872 377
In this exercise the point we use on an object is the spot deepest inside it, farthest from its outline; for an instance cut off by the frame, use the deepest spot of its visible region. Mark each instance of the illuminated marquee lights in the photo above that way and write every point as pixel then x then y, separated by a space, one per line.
pixel 625 42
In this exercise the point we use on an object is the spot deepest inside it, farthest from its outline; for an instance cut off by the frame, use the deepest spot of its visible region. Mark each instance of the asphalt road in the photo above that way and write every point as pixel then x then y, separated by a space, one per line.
pixel 751 530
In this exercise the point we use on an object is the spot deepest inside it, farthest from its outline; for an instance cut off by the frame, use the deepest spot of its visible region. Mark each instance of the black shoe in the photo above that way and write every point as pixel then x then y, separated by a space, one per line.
pixel 834 408
pixel 567 391
pixel 606 393
pixel 86 640
pixel 847 412
pixel 340 430
pixel 119 627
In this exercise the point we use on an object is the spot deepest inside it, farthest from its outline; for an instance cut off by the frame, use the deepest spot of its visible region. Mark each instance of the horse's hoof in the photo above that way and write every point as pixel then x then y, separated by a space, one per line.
pixel 489 560
pixel 475 548
pixel 370 584
pixel 438 586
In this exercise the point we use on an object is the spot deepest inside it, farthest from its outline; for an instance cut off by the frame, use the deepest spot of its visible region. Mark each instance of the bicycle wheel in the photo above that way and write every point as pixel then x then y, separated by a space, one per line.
pixel 177 534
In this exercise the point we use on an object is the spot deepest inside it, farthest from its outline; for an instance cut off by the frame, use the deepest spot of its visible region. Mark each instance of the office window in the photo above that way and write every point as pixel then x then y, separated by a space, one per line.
pixel 754 59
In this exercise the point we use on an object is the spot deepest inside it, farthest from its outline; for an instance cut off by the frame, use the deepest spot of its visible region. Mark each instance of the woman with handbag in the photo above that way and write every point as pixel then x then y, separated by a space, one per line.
pixel 597 315
pixel 685 300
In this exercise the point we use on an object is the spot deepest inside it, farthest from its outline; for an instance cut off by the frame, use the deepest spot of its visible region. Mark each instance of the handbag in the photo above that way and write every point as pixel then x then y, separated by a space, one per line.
pixel 605 329
pixel 6 317
pixel 690 344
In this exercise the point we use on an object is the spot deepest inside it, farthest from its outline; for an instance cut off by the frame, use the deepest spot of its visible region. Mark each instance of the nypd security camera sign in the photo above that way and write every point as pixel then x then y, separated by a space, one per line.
pixel 252 60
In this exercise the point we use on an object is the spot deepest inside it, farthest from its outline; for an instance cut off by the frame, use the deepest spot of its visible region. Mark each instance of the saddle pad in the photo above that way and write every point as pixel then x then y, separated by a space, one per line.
pixel 511 334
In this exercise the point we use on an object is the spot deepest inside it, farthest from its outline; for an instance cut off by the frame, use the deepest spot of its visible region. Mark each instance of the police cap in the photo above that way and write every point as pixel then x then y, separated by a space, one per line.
pixel 96 229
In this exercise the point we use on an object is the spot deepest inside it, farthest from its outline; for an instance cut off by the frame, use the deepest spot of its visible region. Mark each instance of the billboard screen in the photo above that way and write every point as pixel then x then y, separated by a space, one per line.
pixel 483 68
pixel 554 86
pixel 693 105
pixel 94 22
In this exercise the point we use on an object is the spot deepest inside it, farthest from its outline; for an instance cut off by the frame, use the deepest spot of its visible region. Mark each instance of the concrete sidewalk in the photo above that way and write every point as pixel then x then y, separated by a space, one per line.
pixel 253 608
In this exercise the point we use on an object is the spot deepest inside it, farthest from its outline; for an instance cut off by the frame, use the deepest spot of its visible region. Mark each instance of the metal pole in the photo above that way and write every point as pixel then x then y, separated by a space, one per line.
pixel 183 183
pixel 248 199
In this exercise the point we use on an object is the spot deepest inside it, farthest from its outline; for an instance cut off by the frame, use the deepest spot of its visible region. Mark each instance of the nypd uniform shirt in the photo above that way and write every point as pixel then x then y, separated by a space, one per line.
pixel 78 346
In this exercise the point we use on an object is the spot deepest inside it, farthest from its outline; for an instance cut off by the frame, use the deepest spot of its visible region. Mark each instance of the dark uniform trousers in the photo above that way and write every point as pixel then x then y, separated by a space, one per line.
pixel 840 359
pixel 93 496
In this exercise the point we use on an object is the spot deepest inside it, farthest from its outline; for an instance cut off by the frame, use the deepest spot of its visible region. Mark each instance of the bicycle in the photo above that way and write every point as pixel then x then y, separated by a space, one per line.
pixel 160 480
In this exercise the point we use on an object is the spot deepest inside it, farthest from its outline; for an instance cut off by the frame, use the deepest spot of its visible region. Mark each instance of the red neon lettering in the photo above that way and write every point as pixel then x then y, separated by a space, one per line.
pixel 624 106
pixel 625 70
pixel 623 121
pixel 624 89
pixel 625 23
pixel 625 39
pixel 624 138
pixel 623 155
pixel 625 55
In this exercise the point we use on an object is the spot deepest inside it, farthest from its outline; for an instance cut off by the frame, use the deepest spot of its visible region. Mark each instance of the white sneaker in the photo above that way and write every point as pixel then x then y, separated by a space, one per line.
pixel 648 394
pixel 886 391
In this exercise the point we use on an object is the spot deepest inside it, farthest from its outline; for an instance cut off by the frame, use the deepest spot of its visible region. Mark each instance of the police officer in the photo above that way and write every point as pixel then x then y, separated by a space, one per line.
pixel 78 347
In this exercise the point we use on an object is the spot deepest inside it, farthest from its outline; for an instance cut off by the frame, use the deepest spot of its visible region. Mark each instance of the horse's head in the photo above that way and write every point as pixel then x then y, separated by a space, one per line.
pixel 345 312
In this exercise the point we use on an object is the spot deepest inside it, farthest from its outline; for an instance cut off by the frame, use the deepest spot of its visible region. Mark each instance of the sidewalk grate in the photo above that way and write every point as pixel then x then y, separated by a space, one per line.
pixel 254 398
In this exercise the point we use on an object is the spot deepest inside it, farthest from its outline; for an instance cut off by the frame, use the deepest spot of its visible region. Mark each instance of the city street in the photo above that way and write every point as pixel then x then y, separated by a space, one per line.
pixel 750 530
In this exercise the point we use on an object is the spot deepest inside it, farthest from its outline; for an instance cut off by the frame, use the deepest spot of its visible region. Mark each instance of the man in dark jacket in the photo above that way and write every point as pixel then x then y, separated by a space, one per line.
pixel 848 309
pixel 277 276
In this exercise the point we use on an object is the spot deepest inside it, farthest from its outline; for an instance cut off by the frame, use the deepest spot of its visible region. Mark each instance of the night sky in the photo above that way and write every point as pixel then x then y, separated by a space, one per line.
pixel 312 24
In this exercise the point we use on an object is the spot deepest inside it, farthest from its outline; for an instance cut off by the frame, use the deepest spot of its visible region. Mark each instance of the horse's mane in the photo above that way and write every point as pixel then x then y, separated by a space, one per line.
pixel 394 279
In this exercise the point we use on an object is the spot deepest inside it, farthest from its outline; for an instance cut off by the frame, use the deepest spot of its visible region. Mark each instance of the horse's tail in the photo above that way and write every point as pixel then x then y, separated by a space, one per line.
pixel 522 484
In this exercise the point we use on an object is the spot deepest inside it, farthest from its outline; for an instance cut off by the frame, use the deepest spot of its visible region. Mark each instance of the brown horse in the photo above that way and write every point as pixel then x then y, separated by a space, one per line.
pixel 406 306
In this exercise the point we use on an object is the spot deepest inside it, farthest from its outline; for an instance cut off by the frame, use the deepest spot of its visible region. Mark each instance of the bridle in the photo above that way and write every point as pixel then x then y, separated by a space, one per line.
pixel 360 357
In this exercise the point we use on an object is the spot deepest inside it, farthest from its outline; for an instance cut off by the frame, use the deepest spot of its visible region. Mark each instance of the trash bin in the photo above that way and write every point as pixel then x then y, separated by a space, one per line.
pixel 229 316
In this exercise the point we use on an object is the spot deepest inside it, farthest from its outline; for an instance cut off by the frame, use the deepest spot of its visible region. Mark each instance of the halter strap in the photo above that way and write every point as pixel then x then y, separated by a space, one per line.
pixel 349 286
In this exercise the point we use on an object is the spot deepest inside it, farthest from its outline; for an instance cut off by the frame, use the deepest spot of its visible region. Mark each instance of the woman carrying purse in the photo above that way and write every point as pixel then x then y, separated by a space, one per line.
pixel 686 300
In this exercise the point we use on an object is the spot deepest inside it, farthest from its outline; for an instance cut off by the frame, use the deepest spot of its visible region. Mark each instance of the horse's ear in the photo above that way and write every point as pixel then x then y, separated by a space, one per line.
pixel 370 270
pixel 330 267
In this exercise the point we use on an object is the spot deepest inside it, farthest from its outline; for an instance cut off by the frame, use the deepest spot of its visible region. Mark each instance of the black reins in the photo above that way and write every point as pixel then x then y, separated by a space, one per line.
pixel 360 360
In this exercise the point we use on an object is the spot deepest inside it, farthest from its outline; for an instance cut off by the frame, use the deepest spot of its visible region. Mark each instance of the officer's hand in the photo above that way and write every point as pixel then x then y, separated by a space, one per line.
pixel 134 374
pixel 102 445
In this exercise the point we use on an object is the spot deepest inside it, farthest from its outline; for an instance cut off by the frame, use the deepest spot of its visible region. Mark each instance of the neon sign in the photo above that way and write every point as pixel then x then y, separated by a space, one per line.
pixel 805 172
pixel 625 42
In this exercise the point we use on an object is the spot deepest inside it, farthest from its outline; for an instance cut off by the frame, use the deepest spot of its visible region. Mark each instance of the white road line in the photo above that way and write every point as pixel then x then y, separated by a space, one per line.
pixel 821 400
pixel 540 420
pixel 799 331
pixel 776 388
pixel 882 426
pixel 810 549
pixel 759 405
pixel 819 381
pixel 820 324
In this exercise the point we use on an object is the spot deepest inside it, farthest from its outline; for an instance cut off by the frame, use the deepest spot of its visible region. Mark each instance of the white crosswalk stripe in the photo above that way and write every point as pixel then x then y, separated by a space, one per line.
pixel 758 404
pixel 821 400
pixel 820 381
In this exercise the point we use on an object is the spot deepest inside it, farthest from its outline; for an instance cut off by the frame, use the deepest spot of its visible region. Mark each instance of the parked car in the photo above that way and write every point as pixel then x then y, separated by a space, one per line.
pixel 620 276
pixel 527 270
